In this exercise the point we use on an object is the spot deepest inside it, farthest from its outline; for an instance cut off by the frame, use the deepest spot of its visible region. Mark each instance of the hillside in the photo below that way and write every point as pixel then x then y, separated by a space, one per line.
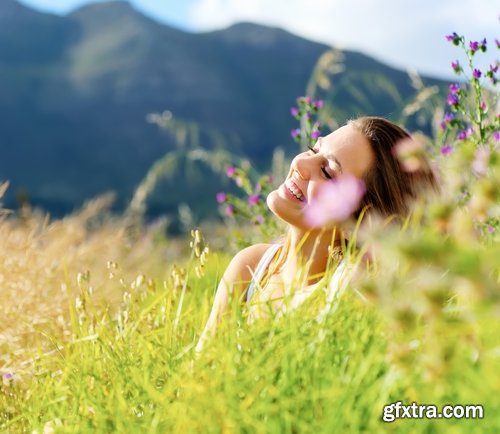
pixel 75 92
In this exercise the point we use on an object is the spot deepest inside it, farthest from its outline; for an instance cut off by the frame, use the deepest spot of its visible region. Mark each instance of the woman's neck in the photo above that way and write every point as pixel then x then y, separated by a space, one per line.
pixel 307 256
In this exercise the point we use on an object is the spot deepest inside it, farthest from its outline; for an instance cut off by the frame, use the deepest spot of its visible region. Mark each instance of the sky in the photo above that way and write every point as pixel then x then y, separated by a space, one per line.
pixel 407 34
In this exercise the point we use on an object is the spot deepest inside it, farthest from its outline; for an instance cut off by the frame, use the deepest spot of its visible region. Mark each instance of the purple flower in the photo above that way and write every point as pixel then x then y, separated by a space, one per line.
pixel 453 100
pixel 482 45
pixel 259 220
pixel 295 133
pixel 476 74
pixel 456 67
pixel 448 117
pixel 318 104
pixel 483 106
pixel 220 197
pixel 8 376
pixel 454 38
pixel 230 171
pixel 497 42
pixel 446 150
pixel 496 136
pixel 270 179
pixel 464 134
pixel 474 46
pixel 454 88
pixel 315 134
pixel 253 199
pixel 294 111
pixel 229 210
pixel 336 201
pixel 491 229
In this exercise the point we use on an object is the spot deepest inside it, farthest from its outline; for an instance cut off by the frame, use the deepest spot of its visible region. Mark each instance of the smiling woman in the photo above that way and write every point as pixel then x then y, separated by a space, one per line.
pixel 353 169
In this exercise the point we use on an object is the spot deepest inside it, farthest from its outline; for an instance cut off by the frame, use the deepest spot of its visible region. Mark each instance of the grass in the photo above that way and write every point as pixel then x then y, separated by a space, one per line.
pixel 94 340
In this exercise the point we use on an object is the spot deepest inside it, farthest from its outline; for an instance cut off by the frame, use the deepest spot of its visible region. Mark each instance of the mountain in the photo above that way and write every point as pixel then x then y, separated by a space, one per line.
pixel 75 92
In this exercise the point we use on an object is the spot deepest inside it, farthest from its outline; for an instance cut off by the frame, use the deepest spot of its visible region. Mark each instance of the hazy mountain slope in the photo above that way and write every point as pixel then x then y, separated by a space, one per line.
pixel 75 92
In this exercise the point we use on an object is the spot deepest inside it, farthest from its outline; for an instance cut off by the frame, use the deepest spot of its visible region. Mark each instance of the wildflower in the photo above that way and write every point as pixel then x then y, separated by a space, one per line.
pixel 453 38
pixel 336 201
pixel 454 88
pixel 238 181
pixel 318 104
pixel 253 199
pixel 483 106
pixel 7 378
pixel 473 46
pixel 457 68
pixel 410 154
pixel 491 73
pixel 259 220
pixel 491 229
pixel 497 42
pixel 453 100
pixel 230 171
pixel 294 111
pixel 464 134
pixel 476 74
pixel 220 197
pixel 448 117
pixel 295 133
pixel 315 134
pixel 446 150
pixel 496 136
pixel 482 45
pixel 229 210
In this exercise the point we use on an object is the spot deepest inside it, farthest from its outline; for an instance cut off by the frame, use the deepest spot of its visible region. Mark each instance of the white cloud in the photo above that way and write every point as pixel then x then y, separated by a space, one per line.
pixel 401 32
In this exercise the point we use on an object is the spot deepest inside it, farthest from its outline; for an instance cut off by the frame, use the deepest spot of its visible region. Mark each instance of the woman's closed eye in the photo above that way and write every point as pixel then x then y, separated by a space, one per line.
pixel 323 169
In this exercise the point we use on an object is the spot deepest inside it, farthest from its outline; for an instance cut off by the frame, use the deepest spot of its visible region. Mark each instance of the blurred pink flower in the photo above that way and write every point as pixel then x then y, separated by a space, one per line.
pixel 409 152
pixel 480 163
pixel 229 211
pixel 220 197
pixel 230 171
pixel 253 199
pixel 336 201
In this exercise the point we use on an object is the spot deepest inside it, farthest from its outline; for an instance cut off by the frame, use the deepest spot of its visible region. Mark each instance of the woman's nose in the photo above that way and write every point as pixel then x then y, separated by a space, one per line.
pixel 302 165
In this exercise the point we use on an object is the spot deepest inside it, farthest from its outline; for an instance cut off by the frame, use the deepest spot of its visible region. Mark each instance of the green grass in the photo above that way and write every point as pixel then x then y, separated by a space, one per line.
pixel 139 374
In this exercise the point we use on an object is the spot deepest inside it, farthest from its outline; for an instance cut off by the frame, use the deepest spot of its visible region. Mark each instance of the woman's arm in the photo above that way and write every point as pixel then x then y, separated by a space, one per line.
pixel 236 279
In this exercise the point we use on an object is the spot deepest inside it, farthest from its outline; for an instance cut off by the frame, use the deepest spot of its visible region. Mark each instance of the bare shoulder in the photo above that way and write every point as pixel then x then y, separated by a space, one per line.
pixel 243 264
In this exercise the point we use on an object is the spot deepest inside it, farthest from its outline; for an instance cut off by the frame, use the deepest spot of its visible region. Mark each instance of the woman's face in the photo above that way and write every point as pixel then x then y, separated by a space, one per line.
pixel 345 151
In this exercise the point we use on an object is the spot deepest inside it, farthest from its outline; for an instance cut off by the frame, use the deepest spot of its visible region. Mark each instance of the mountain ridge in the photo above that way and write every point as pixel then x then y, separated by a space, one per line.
pixel 74 100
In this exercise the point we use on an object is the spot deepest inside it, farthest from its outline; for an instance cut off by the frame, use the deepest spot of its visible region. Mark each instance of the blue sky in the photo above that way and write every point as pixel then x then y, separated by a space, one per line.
pixel 402 33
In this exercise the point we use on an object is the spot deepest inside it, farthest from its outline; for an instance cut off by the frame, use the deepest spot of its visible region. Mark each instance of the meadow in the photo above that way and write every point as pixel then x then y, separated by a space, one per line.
pixel 98 322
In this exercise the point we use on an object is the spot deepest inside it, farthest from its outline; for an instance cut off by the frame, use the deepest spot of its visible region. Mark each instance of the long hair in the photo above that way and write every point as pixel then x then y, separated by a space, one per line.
pixel 390 189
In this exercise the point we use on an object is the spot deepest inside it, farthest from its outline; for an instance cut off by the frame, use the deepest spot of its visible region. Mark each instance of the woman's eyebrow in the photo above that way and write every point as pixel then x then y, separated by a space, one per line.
pixel 331 156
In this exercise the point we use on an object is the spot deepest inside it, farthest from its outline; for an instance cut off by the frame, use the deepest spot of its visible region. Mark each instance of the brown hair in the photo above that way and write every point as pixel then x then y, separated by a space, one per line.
pixel 389 188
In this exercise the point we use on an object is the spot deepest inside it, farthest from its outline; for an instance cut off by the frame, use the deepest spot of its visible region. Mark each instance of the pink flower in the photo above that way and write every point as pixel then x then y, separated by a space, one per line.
pixel 238 181
pixel 220 197
pixel 480 163
pixel 229 210
pixel 230 171
pixel 336 201
pixel 409 152
pixel 294 111
pixel 253 199
pixel 446 150
pixel 496 136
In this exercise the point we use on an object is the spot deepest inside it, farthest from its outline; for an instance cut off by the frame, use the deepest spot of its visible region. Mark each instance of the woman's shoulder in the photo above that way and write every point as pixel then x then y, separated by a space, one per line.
pixel 251 255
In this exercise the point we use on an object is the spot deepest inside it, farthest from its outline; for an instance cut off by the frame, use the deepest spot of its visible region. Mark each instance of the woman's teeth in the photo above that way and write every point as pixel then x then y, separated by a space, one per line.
pixel 295 191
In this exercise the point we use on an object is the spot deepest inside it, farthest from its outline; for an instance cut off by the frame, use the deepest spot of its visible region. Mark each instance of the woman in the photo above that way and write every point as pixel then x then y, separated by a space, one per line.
pixel 266 274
